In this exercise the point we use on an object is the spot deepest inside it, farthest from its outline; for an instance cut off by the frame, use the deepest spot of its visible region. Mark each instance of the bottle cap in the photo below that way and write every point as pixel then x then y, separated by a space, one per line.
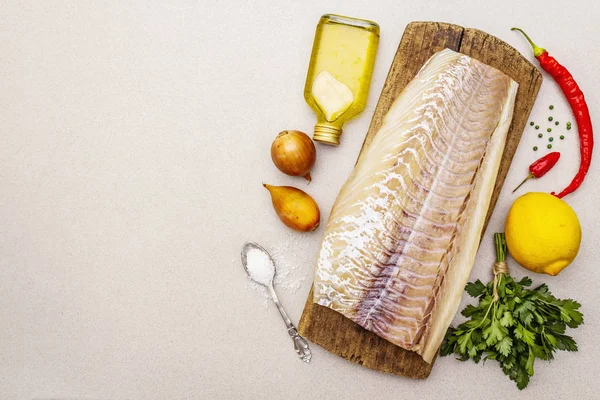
pixel 327 134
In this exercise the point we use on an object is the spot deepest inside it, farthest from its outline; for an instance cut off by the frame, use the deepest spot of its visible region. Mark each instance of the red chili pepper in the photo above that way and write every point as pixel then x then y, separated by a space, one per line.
pixel 580 109
pixel 541 166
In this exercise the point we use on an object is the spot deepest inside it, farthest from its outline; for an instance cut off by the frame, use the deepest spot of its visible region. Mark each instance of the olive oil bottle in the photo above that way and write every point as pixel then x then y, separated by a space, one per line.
pixel 339 73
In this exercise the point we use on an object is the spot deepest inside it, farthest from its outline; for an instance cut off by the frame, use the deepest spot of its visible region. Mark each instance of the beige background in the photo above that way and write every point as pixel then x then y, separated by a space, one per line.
pixel 133 143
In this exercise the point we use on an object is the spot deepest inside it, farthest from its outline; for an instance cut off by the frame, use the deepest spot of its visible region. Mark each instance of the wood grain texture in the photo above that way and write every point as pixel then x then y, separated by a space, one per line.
pixel 420 41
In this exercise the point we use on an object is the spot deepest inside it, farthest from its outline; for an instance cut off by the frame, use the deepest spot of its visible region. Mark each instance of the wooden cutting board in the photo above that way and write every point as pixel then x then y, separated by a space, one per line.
pixel 420 41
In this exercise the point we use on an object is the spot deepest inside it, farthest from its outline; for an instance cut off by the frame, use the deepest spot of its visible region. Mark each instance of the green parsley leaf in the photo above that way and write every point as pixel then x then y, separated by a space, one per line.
pixel 507 319
pixel 565 342
pixel 494 333
pixel 525 335
pixel 463 342
pixel 542 289
pixel 569 312
pixel 529 364
pixel 470 310
pixel 449 343
pixel 523 311
pixel 476 289
pixel 504 346
pixel 550 339
pixel 526 281
pixel 521 377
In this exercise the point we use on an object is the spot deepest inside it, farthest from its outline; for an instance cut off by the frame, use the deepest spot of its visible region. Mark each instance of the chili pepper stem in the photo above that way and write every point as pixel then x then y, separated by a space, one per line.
pixel 524 180
pixel 537 51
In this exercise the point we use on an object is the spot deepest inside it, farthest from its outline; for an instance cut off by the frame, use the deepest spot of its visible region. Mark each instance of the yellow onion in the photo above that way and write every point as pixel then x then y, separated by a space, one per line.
pixel 294 153
pixel 295 208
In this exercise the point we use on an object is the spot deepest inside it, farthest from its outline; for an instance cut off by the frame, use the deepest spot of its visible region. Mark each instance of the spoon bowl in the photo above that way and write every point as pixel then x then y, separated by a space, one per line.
pixel 255 246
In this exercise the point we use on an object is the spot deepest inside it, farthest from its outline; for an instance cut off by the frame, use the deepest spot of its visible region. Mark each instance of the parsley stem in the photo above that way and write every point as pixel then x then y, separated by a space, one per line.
pixel 500 241
pixel 500 268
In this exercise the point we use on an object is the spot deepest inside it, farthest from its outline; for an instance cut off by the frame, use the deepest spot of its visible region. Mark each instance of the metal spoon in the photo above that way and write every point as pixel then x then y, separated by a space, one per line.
pixel 300 344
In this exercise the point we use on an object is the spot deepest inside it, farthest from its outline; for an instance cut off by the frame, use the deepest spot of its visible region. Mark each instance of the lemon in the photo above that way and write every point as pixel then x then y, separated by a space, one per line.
pixel 542 233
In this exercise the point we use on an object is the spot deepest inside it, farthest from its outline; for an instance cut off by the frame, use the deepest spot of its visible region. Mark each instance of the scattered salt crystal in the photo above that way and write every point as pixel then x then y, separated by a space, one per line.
pixel 260 267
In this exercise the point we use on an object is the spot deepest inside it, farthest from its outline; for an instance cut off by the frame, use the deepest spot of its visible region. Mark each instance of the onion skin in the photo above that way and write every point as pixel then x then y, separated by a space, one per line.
pixel 294 153
pixel 295 208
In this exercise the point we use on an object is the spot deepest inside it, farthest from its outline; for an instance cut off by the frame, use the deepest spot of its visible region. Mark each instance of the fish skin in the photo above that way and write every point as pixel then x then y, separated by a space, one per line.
pixel 402 235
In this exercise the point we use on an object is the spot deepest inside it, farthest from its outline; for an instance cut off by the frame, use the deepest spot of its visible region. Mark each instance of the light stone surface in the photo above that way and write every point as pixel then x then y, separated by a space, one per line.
pixel 134 139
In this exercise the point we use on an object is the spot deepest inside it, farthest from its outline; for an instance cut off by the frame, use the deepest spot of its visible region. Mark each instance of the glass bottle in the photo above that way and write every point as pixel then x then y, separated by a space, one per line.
pixel 339 73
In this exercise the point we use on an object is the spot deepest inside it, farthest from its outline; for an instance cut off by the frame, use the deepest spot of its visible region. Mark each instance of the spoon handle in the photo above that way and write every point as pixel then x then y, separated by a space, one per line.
pixel 300 344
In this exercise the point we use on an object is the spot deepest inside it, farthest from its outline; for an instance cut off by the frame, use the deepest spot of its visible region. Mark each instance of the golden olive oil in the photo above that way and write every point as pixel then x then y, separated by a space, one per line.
pixel 339 74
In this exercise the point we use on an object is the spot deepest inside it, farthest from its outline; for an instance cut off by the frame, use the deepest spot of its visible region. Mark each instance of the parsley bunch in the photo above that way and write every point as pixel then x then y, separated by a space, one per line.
pixel 516 327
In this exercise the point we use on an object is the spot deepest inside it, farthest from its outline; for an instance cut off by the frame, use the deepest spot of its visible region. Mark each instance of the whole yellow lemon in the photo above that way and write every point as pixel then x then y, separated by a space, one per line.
pixel 542 233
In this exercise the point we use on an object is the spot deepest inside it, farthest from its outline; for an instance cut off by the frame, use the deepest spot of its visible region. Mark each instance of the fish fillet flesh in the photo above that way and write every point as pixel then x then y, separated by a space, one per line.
pixel 402 235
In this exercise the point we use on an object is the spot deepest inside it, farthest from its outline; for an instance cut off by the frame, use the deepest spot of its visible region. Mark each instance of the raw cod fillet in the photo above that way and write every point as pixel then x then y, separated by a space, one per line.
pixel 401 239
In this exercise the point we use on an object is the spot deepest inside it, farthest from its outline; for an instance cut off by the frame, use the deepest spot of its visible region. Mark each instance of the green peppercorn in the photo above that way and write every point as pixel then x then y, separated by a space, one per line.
pixel 556 123
pixel 537 127
pixel 540 135
pixel 551 139
pixel 550 118
pixel 531 123
pixel 568 127
pixel 549 146
pixel 549 130
pixel 551 107
pixel 534 148
pixel 562 137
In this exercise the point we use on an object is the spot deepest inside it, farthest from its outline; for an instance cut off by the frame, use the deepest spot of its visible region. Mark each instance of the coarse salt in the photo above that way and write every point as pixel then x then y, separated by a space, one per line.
pixel 260 266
